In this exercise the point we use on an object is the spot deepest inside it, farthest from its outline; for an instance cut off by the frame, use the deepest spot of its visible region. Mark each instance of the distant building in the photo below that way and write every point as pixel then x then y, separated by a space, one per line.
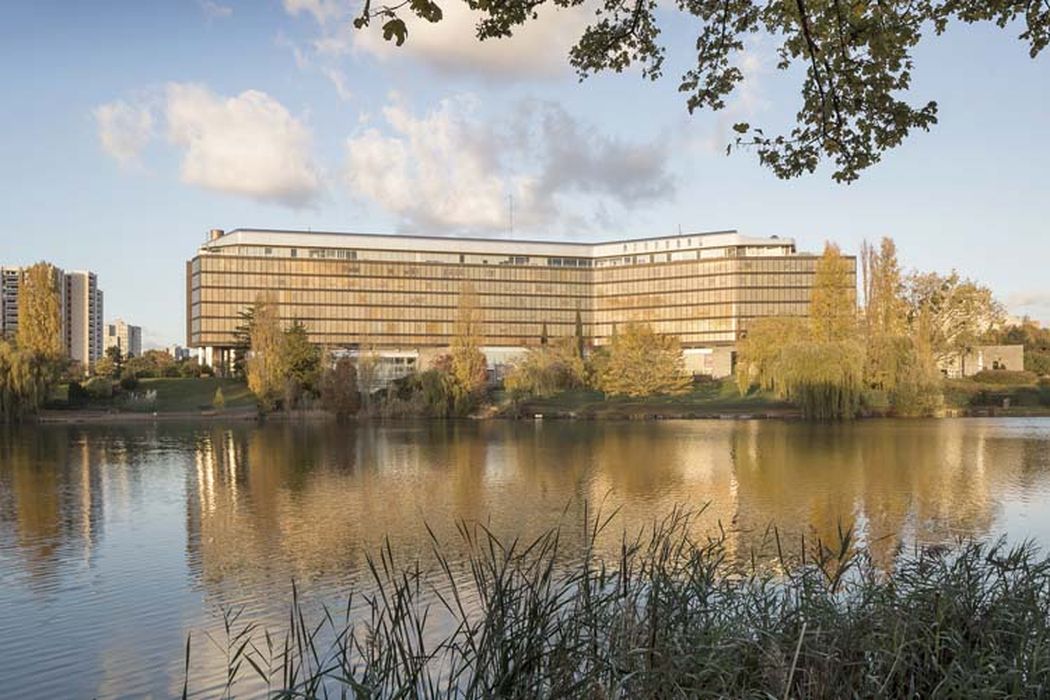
pixel 982 357
pixel 80 309
pixel 397 295
pixel 83 317
pixel 124 336
pixel 9 280
pixel 179 353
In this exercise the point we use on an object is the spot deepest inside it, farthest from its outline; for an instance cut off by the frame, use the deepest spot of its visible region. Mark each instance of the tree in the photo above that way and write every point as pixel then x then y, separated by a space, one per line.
pixel 242 339
pixel 758 352
pixel 25 380
pixel 1034 338
pixel 218 402
pixel 40 312
pixel 644 363
pixel 468 362
pixel 339 393
pixel 300 359
pixel 115 365
pixel 857 59
pixel 885 316
pixel 833 300
pixel 264 369
pixel 546 370
pixel 579 333
pixel 950 313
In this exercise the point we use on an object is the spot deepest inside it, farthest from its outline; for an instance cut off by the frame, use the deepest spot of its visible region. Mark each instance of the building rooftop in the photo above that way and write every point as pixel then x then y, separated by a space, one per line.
pixel 399 242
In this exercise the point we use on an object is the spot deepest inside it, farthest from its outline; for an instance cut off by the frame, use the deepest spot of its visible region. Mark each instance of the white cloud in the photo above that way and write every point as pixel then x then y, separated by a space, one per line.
pixel 213 10
pixel 323 11
pixel 248 145
pixel 124 129
pixel 539 48
pixel 339 80
pixel 1034 303
pixel 450 170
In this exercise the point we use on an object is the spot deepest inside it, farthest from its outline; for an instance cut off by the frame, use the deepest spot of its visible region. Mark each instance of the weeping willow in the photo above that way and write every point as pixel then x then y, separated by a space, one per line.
pixel 825 380
pixel 25 379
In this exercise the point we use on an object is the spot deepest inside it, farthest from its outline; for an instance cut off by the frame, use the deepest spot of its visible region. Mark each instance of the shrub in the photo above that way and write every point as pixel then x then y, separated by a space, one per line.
pixel 339 392
pixel 99 387
pixel 76 395
pixel 129 382
pixel 218 401
pixel 1004 376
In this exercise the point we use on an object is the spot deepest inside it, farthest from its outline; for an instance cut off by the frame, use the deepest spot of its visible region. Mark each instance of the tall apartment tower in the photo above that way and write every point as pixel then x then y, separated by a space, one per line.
pixel 83 326
pixel 9 277
pixel 124 336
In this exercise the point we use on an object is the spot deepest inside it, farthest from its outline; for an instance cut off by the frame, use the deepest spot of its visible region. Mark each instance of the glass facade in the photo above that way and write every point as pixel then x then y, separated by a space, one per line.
pixel 703 288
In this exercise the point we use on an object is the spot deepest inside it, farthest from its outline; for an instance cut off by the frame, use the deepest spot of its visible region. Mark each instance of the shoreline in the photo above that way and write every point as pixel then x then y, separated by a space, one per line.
pixel 98 417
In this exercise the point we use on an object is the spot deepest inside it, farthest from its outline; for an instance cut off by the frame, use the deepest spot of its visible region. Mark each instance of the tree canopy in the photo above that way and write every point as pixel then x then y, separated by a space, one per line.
pixel 856 58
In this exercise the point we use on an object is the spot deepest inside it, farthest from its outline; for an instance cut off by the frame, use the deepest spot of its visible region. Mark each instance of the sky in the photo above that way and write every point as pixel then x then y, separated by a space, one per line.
pixel 129 129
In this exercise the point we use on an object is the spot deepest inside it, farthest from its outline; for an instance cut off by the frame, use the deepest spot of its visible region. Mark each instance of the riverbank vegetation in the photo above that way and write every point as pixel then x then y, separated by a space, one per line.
pixel 669 615
pixel 885 357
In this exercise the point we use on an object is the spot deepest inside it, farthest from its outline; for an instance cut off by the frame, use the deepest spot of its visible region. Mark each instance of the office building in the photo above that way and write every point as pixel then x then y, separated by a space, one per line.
pixel 124 336
pixel 399 294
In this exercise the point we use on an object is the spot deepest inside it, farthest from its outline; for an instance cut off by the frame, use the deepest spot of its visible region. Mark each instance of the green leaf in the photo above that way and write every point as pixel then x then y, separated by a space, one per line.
pixel 395 28
pixel 741 127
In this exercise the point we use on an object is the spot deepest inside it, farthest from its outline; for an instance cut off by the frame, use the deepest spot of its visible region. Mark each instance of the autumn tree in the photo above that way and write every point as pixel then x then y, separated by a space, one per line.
pixel 264 366
pixel 642 362
pixel 950 313
pixel 856 60
pixel 548 369
pixel 40 312
pixel 468 362
pixel 25 380
pixel 833 299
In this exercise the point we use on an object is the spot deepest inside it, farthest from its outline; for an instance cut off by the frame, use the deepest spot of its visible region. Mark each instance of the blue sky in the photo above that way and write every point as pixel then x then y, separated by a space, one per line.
pixel 129 129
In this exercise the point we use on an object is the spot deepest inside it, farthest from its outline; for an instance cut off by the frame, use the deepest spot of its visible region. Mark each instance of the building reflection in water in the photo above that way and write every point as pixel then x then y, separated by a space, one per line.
pixel 115 542
pixel 284 501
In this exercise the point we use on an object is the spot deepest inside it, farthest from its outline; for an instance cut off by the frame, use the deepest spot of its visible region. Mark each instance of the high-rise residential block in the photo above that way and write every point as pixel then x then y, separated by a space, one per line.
pixel 124 336
pixel 80 310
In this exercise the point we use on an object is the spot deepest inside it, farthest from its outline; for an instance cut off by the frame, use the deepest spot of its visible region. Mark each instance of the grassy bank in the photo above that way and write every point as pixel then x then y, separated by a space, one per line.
pixel 172 395
pixel 668 617
pixel 705 400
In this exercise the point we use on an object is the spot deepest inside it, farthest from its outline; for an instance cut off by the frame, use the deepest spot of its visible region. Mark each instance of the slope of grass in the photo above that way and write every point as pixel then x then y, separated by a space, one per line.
pixel 194 394
pixel 707 398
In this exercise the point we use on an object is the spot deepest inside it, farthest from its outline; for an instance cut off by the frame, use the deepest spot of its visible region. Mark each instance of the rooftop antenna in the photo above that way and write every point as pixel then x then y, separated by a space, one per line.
pixel 679 229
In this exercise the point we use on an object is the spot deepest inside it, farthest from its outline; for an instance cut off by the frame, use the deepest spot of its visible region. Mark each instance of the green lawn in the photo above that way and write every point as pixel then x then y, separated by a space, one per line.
pixel 195 394
pixel 709 398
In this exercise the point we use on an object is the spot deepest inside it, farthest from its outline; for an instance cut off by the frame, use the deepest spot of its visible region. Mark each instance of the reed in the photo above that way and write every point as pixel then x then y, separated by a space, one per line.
pixel 670 616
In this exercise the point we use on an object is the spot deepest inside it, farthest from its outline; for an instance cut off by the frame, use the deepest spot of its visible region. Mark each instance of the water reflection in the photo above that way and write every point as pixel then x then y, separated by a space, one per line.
pixel 103 531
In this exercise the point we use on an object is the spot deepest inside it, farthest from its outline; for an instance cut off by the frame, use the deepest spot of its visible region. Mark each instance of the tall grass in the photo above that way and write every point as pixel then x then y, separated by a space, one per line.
pixel 670 616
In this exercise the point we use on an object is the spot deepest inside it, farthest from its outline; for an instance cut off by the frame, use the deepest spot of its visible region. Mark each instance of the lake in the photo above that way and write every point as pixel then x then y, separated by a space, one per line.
pixel 117 542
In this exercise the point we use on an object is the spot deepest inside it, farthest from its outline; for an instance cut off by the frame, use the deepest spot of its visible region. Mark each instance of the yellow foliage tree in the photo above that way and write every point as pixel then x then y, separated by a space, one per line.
pixel 40 312
pixel 833 300
pixel 264 368
pixel 644 363
pixel 468 362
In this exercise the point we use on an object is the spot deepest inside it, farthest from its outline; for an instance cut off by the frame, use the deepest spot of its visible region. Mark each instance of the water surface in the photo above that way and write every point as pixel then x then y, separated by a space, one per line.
pixel 117 542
